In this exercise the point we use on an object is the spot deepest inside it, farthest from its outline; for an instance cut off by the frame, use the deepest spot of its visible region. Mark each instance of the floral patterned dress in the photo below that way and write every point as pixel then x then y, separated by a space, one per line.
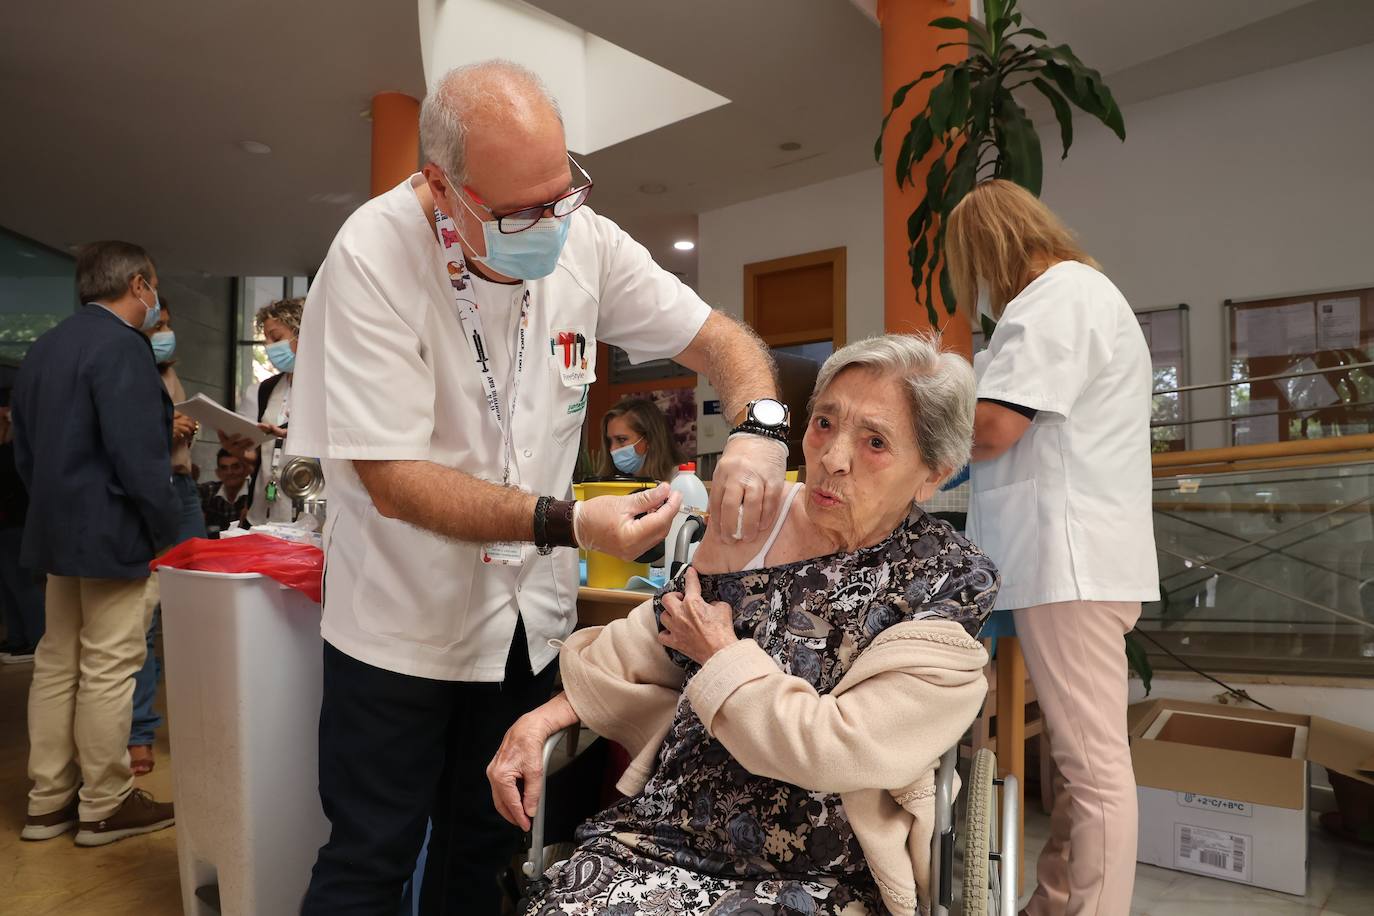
pixel 705 836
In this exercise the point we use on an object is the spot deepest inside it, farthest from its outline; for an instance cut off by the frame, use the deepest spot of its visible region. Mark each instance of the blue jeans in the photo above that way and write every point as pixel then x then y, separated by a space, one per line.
pixel 146 720
pixel 21 595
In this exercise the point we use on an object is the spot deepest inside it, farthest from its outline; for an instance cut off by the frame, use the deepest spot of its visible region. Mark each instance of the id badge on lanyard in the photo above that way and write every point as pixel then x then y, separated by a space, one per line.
pixel 507 553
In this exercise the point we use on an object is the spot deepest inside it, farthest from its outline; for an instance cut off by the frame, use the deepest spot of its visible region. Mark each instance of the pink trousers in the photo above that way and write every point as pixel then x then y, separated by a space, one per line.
pixel 1076 657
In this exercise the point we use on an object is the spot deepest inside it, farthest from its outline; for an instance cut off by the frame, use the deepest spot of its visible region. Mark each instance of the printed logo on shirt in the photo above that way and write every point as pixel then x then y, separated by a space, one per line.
pixel 581 403
pixel 575 354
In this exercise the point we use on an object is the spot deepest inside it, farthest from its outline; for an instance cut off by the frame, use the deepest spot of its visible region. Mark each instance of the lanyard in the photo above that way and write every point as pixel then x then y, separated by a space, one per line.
pixel 470 316
pixel 282 416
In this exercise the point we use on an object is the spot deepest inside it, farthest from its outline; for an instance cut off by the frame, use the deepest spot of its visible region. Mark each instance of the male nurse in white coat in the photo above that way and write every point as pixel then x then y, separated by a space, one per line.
pixel 441 375
pixel 1061 502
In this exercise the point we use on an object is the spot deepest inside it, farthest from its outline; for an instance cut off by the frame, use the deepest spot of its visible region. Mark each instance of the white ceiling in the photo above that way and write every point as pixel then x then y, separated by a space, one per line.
pixel 132 113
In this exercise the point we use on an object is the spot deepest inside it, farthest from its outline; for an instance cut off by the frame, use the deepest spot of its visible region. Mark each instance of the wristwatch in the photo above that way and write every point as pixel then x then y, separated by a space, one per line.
pixel 764 417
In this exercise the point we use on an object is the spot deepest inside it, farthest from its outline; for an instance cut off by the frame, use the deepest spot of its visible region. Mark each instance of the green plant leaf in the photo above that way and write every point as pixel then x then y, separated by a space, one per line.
pixel 1076 85
pixel 1020 147
pixel 947 290
pixel 1061 111
pixel 980 105
pixel 916 222
pixel 1033 33
pixel 935 186
pixel 931 315
pixel 963 176
pixel 996 9
pixel 976 29
pixel 919 253
pixel 898 99
pixel 959 97
pixel 1139 661
pixel 939 105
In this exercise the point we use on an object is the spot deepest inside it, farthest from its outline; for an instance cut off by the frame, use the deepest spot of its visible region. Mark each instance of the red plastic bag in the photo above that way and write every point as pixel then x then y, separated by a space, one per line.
pixel 298 566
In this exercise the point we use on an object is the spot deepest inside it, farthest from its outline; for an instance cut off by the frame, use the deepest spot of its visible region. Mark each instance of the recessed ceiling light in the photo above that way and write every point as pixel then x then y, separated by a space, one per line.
pixel 684 245
pixel 254 147
pixel 652 187
pixel 791 146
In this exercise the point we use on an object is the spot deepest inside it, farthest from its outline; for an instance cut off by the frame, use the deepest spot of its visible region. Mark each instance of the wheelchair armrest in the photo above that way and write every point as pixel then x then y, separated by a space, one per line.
pixel 534 861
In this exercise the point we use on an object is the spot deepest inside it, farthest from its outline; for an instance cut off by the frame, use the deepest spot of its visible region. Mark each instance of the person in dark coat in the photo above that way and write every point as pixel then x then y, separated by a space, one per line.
pixel 92 443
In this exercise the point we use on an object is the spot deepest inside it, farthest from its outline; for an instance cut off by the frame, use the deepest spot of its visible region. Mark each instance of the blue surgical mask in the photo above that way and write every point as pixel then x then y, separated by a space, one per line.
pixel 280 355
pixel 627 460
pixel 530 254
pixel 164 345
pixel 154 313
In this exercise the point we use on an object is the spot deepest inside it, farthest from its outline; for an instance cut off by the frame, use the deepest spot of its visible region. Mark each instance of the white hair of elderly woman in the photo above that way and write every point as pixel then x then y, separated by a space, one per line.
pixel 465 93
pixel 940 386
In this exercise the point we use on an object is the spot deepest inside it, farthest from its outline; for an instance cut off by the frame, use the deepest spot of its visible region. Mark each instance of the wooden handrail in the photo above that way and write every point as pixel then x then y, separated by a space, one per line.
pixel 1238 453
pixel 1266 464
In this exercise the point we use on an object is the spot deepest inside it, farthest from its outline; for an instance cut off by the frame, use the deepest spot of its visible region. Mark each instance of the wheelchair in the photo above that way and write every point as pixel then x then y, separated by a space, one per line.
pixel 990 829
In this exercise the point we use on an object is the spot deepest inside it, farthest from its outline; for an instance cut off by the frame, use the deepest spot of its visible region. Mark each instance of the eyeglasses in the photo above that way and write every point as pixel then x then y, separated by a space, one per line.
pixel 522 219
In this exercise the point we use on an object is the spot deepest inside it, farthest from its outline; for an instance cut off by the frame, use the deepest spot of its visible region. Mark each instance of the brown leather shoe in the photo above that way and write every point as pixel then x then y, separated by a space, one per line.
pixel 48 826
pixel 139 814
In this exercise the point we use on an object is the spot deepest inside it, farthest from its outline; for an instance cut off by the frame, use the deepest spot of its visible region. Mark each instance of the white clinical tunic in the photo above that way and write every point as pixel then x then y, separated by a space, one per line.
pixel 260 511
pixel 1065 513
pixel 385 372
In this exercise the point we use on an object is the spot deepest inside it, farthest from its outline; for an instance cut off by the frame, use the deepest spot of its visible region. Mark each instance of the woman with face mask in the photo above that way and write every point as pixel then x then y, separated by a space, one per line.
pixel 636 442
pixel 280 324
pixel 146 721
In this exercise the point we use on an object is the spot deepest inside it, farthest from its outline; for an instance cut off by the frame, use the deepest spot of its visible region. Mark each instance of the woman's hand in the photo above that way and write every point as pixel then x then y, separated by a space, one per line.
pixel 516 773
pixel 278 431
pixel 696 629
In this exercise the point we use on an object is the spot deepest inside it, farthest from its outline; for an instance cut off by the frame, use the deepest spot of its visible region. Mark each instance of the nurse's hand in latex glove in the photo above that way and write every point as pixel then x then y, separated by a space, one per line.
pixel 516 773
pixel 747 488
pixel 612 524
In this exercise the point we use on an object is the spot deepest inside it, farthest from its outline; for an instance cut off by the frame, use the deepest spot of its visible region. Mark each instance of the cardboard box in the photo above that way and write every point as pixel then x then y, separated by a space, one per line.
pixel 1223 791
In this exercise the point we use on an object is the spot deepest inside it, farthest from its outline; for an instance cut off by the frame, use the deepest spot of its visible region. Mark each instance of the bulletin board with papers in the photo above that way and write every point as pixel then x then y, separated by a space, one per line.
pixel 1293 335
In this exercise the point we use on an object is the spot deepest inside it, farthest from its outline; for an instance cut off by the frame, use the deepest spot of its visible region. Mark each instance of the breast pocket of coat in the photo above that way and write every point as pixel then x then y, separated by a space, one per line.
pixel 567 403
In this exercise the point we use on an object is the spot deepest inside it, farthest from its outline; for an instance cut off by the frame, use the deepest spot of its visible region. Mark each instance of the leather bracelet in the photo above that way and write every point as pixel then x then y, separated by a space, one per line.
pixel 558 523
pixel 754 429
pixel 541 525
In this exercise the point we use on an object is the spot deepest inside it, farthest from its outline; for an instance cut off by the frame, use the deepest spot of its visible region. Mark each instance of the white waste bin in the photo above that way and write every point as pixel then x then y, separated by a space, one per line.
pixel 243 667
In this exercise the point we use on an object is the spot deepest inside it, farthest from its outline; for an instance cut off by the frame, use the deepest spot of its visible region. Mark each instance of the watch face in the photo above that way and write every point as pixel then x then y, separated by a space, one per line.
pixel 769 412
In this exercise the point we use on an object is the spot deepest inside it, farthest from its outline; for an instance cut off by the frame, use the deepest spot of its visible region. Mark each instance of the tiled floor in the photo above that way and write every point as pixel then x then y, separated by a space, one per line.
pixel 138 877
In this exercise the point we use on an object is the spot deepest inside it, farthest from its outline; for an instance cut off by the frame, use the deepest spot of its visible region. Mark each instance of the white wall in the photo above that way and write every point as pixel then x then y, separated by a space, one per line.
pixel 844 212
pixel 1254 187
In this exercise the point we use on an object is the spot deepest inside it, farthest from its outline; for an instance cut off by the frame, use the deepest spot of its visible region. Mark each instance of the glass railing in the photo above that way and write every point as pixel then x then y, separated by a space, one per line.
pixel 1266 558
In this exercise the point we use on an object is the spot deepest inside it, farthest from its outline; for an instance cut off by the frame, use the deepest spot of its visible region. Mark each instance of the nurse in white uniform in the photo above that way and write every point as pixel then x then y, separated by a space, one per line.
pixel 1061 502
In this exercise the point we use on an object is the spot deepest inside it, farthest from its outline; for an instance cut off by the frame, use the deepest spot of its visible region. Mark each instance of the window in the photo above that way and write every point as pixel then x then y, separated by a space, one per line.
pixel 37 290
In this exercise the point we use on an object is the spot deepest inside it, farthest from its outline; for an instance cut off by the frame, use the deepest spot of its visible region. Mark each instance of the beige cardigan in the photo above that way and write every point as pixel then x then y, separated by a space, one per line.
pixel 875 739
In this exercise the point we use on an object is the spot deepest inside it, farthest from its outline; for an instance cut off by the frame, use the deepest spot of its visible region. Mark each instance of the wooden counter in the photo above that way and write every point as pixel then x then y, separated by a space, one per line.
pixel 597 607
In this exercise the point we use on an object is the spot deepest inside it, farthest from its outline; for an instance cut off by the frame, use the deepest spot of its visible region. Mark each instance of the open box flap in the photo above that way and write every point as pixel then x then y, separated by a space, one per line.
pixel 1342 748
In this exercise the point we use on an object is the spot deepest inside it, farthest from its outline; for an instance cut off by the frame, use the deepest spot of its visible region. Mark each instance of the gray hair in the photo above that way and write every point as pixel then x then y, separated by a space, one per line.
pixel 104 270
pixel 465 93
pixel 941 391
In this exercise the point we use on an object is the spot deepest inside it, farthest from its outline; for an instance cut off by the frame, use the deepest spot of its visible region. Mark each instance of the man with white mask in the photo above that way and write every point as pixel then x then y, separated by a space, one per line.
pixel 442 377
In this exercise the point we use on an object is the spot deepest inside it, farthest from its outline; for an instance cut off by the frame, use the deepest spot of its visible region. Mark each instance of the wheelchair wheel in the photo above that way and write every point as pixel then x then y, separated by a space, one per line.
pixel 980 836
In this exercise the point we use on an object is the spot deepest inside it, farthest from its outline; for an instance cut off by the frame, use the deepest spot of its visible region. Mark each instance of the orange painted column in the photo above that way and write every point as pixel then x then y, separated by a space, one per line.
pixel 395 139
pixel 909 45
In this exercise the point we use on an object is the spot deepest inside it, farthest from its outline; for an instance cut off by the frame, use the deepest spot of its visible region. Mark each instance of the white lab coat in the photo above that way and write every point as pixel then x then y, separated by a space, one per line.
pixel 1066 512
pixel 385 371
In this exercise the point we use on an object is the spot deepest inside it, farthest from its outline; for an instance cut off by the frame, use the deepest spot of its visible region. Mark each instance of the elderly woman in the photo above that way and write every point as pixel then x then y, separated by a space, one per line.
pixel 786 702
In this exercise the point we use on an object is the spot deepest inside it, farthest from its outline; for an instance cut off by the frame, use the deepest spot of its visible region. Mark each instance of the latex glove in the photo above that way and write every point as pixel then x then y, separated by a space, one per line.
pixel 747 488
pixel 609 523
